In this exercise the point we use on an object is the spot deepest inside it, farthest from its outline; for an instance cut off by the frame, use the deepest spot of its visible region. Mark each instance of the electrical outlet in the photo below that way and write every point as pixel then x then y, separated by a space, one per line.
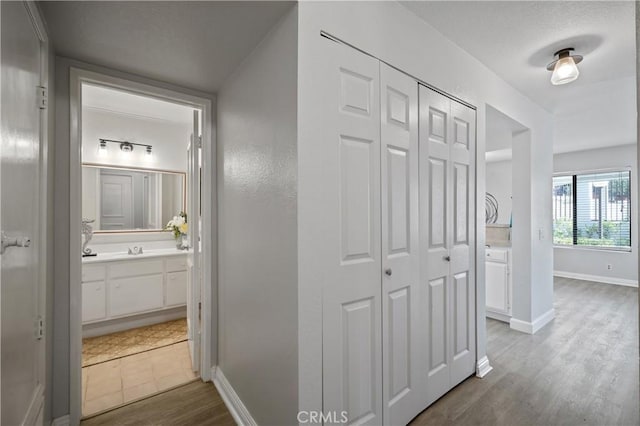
pixel 609 266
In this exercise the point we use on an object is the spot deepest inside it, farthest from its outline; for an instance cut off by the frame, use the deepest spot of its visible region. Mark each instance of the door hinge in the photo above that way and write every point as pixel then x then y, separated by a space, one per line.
pixel 42 97
pixel 39 328
pixel 199 140
pixel 199 311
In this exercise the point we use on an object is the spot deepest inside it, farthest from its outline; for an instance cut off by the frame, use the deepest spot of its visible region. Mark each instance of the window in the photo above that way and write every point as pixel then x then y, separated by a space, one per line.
pixel 593 210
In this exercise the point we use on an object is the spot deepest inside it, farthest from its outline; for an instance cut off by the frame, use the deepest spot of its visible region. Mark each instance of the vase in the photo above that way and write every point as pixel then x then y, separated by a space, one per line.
pixel 181 242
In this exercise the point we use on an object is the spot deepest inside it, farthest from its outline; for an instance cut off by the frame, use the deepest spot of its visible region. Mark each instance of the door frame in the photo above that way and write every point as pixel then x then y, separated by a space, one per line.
pixel 78 76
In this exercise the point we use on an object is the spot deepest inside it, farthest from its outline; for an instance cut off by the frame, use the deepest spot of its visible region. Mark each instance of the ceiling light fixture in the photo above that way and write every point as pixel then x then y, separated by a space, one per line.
pixel 564 68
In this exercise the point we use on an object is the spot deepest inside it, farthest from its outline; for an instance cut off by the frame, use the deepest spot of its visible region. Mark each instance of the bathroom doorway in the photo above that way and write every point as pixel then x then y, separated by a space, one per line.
pixel 143 162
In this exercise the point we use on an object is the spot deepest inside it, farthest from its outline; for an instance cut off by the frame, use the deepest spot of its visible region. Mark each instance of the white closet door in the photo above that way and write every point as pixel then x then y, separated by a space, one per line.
pixel 447 203
pixel 462 126
pixel 352 349
pixel 434 231
pixel 400 240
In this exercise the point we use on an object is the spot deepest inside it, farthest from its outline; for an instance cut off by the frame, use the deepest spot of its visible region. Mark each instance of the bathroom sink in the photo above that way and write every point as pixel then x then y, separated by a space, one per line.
pixel 120 255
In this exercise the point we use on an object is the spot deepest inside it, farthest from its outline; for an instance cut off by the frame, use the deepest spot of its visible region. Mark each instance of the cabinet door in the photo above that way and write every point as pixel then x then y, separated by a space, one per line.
pixel 350 248
pixel 176 288
pixel 497 287
pixel 135 295
pixel 94 301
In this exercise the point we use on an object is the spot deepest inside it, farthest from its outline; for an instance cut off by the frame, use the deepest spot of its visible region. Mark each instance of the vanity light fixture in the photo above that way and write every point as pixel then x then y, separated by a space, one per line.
pixel 125 146
pixel 564 68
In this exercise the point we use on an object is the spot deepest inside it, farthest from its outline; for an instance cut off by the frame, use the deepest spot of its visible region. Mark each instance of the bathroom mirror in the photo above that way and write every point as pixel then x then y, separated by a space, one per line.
pixel 131 200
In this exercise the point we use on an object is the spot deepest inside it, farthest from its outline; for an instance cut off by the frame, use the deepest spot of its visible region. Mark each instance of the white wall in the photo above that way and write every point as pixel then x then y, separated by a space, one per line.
pixel 169 140
pixel 397 36
pixel 500 185
pixel 258 347
pixel 584 261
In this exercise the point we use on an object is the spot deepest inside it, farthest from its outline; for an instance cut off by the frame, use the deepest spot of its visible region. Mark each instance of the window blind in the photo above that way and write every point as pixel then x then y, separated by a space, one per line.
pixel 592 209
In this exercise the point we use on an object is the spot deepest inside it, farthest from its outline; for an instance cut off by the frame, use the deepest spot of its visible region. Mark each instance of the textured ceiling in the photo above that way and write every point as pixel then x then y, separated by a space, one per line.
pixel 191 44
pixel 517 39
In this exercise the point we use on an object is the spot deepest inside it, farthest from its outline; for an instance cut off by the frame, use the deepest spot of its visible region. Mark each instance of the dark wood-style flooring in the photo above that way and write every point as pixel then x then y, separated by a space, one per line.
pixel 582 368
pixel 194 404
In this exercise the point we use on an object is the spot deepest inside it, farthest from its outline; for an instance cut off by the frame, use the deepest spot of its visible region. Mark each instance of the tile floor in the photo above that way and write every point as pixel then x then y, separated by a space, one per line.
pixel 120 381
pixel 116 345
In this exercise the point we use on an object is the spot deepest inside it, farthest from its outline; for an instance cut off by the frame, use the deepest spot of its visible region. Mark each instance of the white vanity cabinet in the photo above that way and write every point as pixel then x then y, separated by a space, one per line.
pixel 113 289
pixel 498 283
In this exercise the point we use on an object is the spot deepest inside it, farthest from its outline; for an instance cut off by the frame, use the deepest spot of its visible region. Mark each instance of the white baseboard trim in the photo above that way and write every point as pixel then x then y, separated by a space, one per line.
pixel 498 316
pixel 61 421
pixel 596 278
pixel 231 399
pixel 535 325
pixel 141 320
pixel 483 367
pixel 35 406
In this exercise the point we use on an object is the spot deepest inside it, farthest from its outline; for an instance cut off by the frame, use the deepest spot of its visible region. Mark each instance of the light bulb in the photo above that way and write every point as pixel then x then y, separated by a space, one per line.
pixel 565 71
pixel 102 148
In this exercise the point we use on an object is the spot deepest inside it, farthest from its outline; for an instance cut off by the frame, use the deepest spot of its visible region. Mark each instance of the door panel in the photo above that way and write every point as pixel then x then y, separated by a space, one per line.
pixel 359 360
pixel 352 373
pixel 447 144
pixel 463 125
pixel 497 286
pixel 21 372
pixel 194 284
pixel 356 198
pixel 400 239
pixel 435 243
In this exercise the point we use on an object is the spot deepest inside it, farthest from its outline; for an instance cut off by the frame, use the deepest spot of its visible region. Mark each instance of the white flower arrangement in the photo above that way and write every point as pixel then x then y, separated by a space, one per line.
pixel 178 225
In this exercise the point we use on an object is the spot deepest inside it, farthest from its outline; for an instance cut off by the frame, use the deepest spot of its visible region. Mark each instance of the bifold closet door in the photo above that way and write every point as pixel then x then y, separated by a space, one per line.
pixel 447 212
pixel 400 245
pixel 350 250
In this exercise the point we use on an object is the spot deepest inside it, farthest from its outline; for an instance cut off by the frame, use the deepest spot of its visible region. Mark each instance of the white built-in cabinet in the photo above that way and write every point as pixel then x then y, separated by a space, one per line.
pixel 117 289
pixel 498 283
pixel 398 299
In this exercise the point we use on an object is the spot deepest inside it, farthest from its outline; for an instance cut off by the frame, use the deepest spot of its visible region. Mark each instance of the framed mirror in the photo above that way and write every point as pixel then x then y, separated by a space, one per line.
pixel 129 199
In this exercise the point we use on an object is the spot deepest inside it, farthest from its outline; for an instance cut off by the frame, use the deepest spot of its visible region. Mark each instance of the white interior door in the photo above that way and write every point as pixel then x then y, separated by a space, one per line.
pixel 116 201
pixel 462 129
pixel 194 259
pixel 400 246
pixel 447 200
pixel 22 378
pixel 352 348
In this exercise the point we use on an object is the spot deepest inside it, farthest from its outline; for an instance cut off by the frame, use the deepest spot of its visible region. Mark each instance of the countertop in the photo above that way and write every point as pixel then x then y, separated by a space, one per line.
pixel 118 256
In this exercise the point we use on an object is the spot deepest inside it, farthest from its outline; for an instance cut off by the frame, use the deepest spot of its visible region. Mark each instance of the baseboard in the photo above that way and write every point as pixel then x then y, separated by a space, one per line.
pixel 535 325
pixel 483 367
pixel 35 406
pixel 134 321
pixel 231 399
pixel 596 278
pixel 61 421
pixel 498 316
